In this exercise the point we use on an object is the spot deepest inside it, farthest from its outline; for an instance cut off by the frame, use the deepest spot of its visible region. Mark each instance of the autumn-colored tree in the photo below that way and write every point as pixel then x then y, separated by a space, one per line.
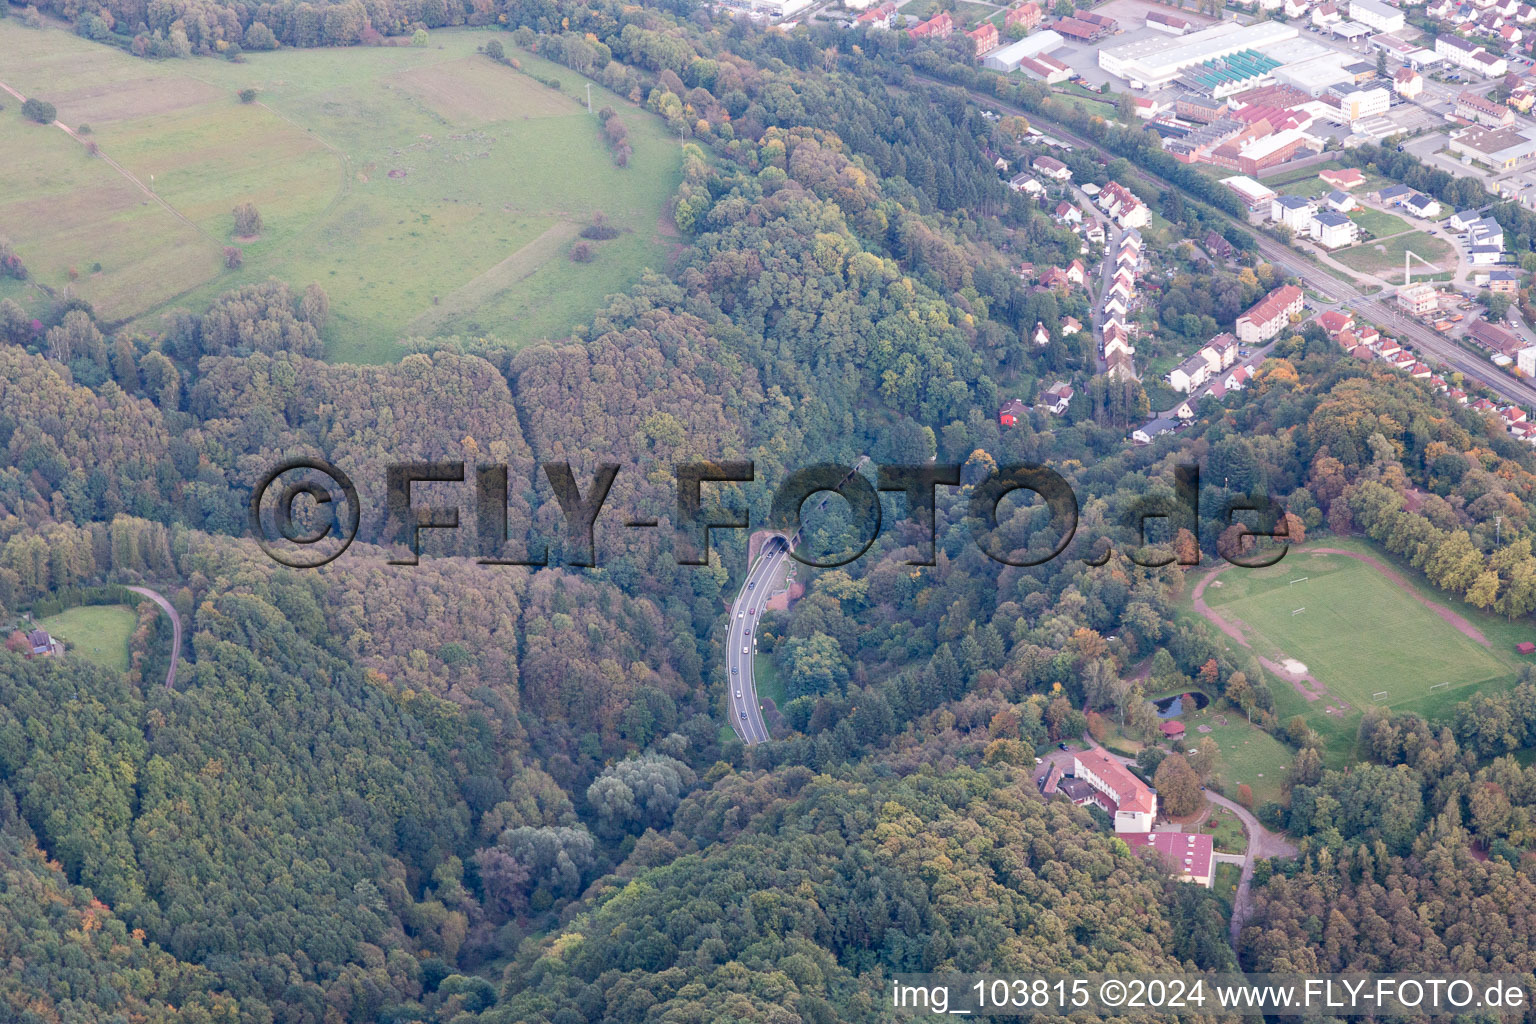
pixel 1178 786
pixel 1245 795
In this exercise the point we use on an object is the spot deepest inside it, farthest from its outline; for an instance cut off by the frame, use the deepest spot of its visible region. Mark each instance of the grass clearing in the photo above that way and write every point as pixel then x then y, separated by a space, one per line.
pixel 427 190
pixel 1226 831
pixel 1378 223
pixel 1224 884
pixel 97 633
pixel 1381 258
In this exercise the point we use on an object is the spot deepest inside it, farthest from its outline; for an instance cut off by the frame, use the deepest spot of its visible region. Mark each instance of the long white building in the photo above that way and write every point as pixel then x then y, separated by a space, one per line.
pixel 1153 63
pixel 1379 17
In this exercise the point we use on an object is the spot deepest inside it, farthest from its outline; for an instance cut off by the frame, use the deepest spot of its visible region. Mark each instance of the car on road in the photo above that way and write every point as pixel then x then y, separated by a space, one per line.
pixel 743 716
pixel 751 584
pixel 745 651
pixel 738 695
pixel 733 670
pixel 741 614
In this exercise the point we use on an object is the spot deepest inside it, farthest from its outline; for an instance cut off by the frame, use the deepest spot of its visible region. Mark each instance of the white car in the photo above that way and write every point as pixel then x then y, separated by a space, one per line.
pixel 738 695
pixel 745 651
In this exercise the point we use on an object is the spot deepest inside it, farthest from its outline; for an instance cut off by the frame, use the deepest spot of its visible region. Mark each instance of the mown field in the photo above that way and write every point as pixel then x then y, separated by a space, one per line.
pixel 1361 634
pixel 1383 258
pixel 97 633
pixel 428 190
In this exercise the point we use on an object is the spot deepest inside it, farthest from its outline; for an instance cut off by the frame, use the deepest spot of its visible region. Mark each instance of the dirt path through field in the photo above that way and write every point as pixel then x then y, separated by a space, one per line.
pixel 1305 683
pixel 120 169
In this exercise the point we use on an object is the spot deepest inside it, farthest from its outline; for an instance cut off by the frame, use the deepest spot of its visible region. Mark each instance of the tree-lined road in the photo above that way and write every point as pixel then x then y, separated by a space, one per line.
pixel 741 640
pixel 169 609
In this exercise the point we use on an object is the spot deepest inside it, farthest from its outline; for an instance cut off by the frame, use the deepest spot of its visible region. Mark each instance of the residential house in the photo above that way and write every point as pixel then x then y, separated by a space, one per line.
pixel 1070 325
pixel 1077 274
pixel 984 37
pixel 1068 213
pixel 878 17
pixel 1421 205
pixel 1334 322
pixel 1484 255
pixel 1055 277
pixel 1346 179
pixel 1333 230
pixel 41 644
pixel 1418 299
pixel 1480 110
pixel 1057 397
pixel 1189 374
pixel 1392 195
pixel 1407 83
pixel 1462 220
pixel 1270 314
pixel 940 26
pixel 1040 336
pixel 1052 168
pixel 1295 212
pixel 1504 282
pixel 1012 411
pixel 1027 15
pixel 1341 201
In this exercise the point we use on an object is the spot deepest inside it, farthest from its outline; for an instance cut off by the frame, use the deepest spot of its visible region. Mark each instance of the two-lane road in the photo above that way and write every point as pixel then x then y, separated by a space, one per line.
pixel 741 640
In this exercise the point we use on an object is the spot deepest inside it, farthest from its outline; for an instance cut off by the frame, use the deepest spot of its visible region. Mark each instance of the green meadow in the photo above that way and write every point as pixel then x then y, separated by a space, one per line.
pixel 428 190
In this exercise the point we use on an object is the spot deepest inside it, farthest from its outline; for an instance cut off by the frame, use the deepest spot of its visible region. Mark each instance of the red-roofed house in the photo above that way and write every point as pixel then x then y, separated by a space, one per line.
pixel 1028 15
pixel 985 37
pixel 878 17
pixel 1270 314
pixel 1333 322
pixel 1011 411
pixel 1135 805
pixel 1189 855
pixel 1348 178
pixel 940 26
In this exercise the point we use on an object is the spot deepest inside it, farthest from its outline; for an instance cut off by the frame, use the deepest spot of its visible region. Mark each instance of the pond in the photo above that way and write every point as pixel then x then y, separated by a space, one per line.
pixel 1173 707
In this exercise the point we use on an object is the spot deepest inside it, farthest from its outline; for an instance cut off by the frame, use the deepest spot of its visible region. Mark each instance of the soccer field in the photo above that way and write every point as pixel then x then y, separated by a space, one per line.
pixel 1356 631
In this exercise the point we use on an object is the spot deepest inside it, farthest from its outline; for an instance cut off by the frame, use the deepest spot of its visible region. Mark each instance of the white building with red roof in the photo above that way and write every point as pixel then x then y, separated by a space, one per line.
pixel 1130 802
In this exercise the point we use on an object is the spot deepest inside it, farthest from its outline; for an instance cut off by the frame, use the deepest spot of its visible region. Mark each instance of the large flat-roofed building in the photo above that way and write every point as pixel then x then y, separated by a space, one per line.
pixel 1011 56
pixel 1226 76
pixel 1502 149
pixel 1153 63
pixel 1378 16
pixel 1188 855
pixel 1133 801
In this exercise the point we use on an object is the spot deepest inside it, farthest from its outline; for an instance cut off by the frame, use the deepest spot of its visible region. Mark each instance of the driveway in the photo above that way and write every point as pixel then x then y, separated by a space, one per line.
pixel 1262 843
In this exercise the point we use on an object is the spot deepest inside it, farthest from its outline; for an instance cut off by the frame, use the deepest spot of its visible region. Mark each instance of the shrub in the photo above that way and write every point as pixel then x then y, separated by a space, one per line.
pixel 581 252
pixel 493 50
pixel 247 95
pixel 599 230
pixel 40 111
pixel 234 259
pixel 247 220
pixel 419 37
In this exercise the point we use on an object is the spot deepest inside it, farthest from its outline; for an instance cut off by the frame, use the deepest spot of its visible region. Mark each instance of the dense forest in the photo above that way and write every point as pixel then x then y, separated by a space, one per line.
pixel 458 791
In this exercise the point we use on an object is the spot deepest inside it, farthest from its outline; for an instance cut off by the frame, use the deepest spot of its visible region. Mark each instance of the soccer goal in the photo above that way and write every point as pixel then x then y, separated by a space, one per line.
pixel 1379 696
pixel 1302 580
pixel 1439 686
pixel 1298 611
